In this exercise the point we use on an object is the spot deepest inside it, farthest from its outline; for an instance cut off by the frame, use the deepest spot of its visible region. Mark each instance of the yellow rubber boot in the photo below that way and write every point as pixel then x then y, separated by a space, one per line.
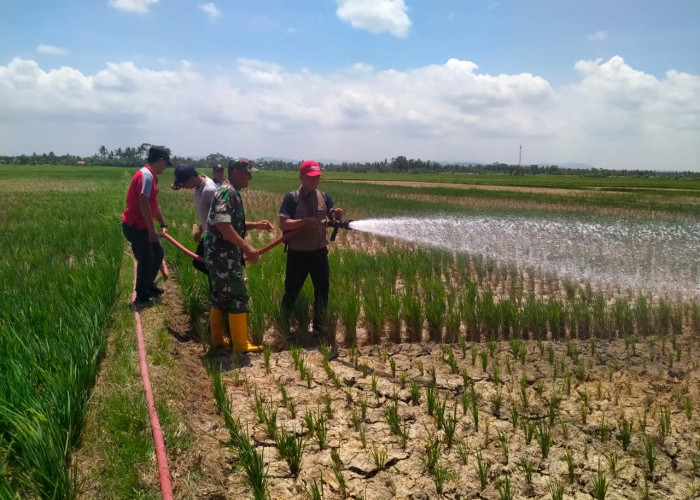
pixel 216 326
pixel 238 325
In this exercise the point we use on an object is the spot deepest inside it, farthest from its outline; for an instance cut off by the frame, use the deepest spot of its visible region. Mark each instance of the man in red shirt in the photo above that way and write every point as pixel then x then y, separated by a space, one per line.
pixel 138 224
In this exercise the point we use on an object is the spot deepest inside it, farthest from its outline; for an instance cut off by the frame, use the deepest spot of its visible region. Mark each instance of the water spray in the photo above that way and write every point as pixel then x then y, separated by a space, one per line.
pixel 658 257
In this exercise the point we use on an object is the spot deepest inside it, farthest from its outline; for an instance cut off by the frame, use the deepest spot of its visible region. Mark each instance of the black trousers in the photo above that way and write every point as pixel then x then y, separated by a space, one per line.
pixel 149 257
pixel 299 266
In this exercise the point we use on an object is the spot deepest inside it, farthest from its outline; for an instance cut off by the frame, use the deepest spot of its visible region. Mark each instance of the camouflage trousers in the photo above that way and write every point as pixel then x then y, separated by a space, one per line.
pixel 228 290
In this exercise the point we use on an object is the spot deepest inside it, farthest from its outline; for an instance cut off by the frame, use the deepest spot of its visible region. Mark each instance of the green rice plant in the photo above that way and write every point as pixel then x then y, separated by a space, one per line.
pixel 354 355
pixel 433 376
pixel 529 427
pixel 326 400
pixel 320 430
pixel 415 393
pixel 442 475
pixel 475 410
pixel 363 401
pixel 412 307
pixel 613 460
pixel 463 451
pixel 484 361
pixel 453 319
pixel 291 448
pixel 373 318
pixel 392 418
pixel 440 413
pixel 296 354
pixel 342 484
pixel 433 449
pixel 626 429
pixel 473 354
pixel 392 363
pixel 650 456
pixel 514 415
pixel 449 427
pixel 505 490
pixel 270 420
pixel 505 448
pixel 392 310
pixel 267 350
pixel 378 457
pixel 496 403
pixel 349 313
pixel 528 467
pixel 553 407
pixel 556 318
pixel 556 489
pixel 482 470
pixel 259 407
pixel 570 465
pixel 432 398
pixel 254 466
pixel 419 365
pixel 335 458
pixel 496 371
pixel 564 430
pixel 451 360
pixel 642 316
pixel 687 406
pixel 600 485
pixel 544 439
pixel 523 392
pixel 315 491
pixel 463 346
pixel 434 297
pixel 375 389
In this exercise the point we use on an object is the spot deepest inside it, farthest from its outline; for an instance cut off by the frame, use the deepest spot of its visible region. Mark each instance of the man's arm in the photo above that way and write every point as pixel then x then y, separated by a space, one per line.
pixel 230 235
pixel 145 207
pixel 261 225
pixel 292 224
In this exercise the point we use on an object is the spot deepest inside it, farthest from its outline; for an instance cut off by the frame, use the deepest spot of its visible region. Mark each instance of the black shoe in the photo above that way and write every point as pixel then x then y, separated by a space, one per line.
pixel 156 291
pixel 143 301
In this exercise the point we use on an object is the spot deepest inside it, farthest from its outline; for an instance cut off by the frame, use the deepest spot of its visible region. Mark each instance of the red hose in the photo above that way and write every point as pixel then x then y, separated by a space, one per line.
pixel 264 249
pixel 166 487
pixel 178 245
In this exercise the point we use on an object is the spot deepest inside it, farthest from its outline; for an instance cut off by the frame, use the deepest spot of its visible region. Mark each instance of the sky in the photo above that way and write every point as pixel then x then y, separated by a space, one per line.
pixel 607 83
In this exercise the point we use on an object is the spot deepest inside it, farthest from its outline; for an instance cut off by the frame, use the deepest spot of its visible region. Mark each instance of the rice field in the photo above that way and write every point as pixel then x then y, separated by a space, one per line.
pixel 494 341
pixel 530 347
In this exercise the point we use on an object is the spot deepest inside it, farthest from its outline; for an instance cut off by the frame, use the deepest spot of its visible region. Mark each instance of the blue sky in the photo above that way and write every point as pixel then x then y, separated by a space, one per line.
pixel 615 84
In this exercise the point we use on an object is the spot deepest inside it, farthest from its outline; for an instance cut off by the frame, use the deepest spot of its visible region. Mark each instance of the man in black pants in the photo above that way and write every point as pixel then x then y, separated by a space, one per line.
pixel 307 209
pixel 142 208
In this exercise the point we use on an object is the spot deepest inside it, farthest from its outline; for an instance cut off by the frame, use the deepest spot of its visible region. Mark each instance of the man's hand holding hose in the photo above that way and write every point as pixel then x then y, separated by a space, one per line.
pixel 230 234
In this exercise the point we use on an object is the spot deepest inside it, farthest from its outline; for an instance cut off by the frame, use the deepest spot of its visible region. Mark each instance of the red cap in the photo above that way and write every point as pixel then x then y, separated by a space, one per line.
pixel 310 168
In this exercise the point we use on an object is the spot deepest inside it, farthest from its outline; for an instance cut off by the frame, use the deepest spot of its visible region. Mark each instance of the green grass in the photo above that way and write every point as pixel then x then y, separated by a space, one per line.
pixel 58 282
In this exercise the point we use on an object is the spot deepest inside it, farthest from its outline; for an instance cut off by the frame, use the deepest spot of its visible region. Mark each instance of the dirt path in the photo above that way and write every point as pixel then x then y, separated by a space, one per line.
pixel 115 458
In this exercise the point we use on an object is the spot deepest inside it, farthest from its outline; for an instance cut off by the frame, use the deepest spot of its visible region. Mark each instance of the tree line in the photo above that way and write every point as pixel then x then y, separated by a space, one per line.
pixel 134 157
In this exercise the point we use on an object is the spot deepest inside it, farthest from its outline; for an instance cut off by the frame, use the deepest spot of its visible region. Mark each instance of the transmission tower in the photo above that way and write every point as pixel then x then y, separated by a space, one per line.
pixel 520 155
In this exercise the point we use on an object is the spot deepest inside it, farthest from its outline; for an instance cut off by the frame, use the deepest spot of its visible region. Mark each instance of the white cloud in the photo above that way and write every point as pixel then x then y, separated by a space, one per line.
pixel 210 9
pixel 377 16
pixel 598 36
pixel 614 117
pixel 51 50
pixel 133 6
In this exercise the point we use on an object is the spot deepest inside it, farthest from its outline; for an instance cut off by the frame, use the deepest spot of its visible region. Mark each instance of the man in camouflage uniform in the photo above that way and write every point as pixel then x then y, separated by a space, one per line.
pixel 224 251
